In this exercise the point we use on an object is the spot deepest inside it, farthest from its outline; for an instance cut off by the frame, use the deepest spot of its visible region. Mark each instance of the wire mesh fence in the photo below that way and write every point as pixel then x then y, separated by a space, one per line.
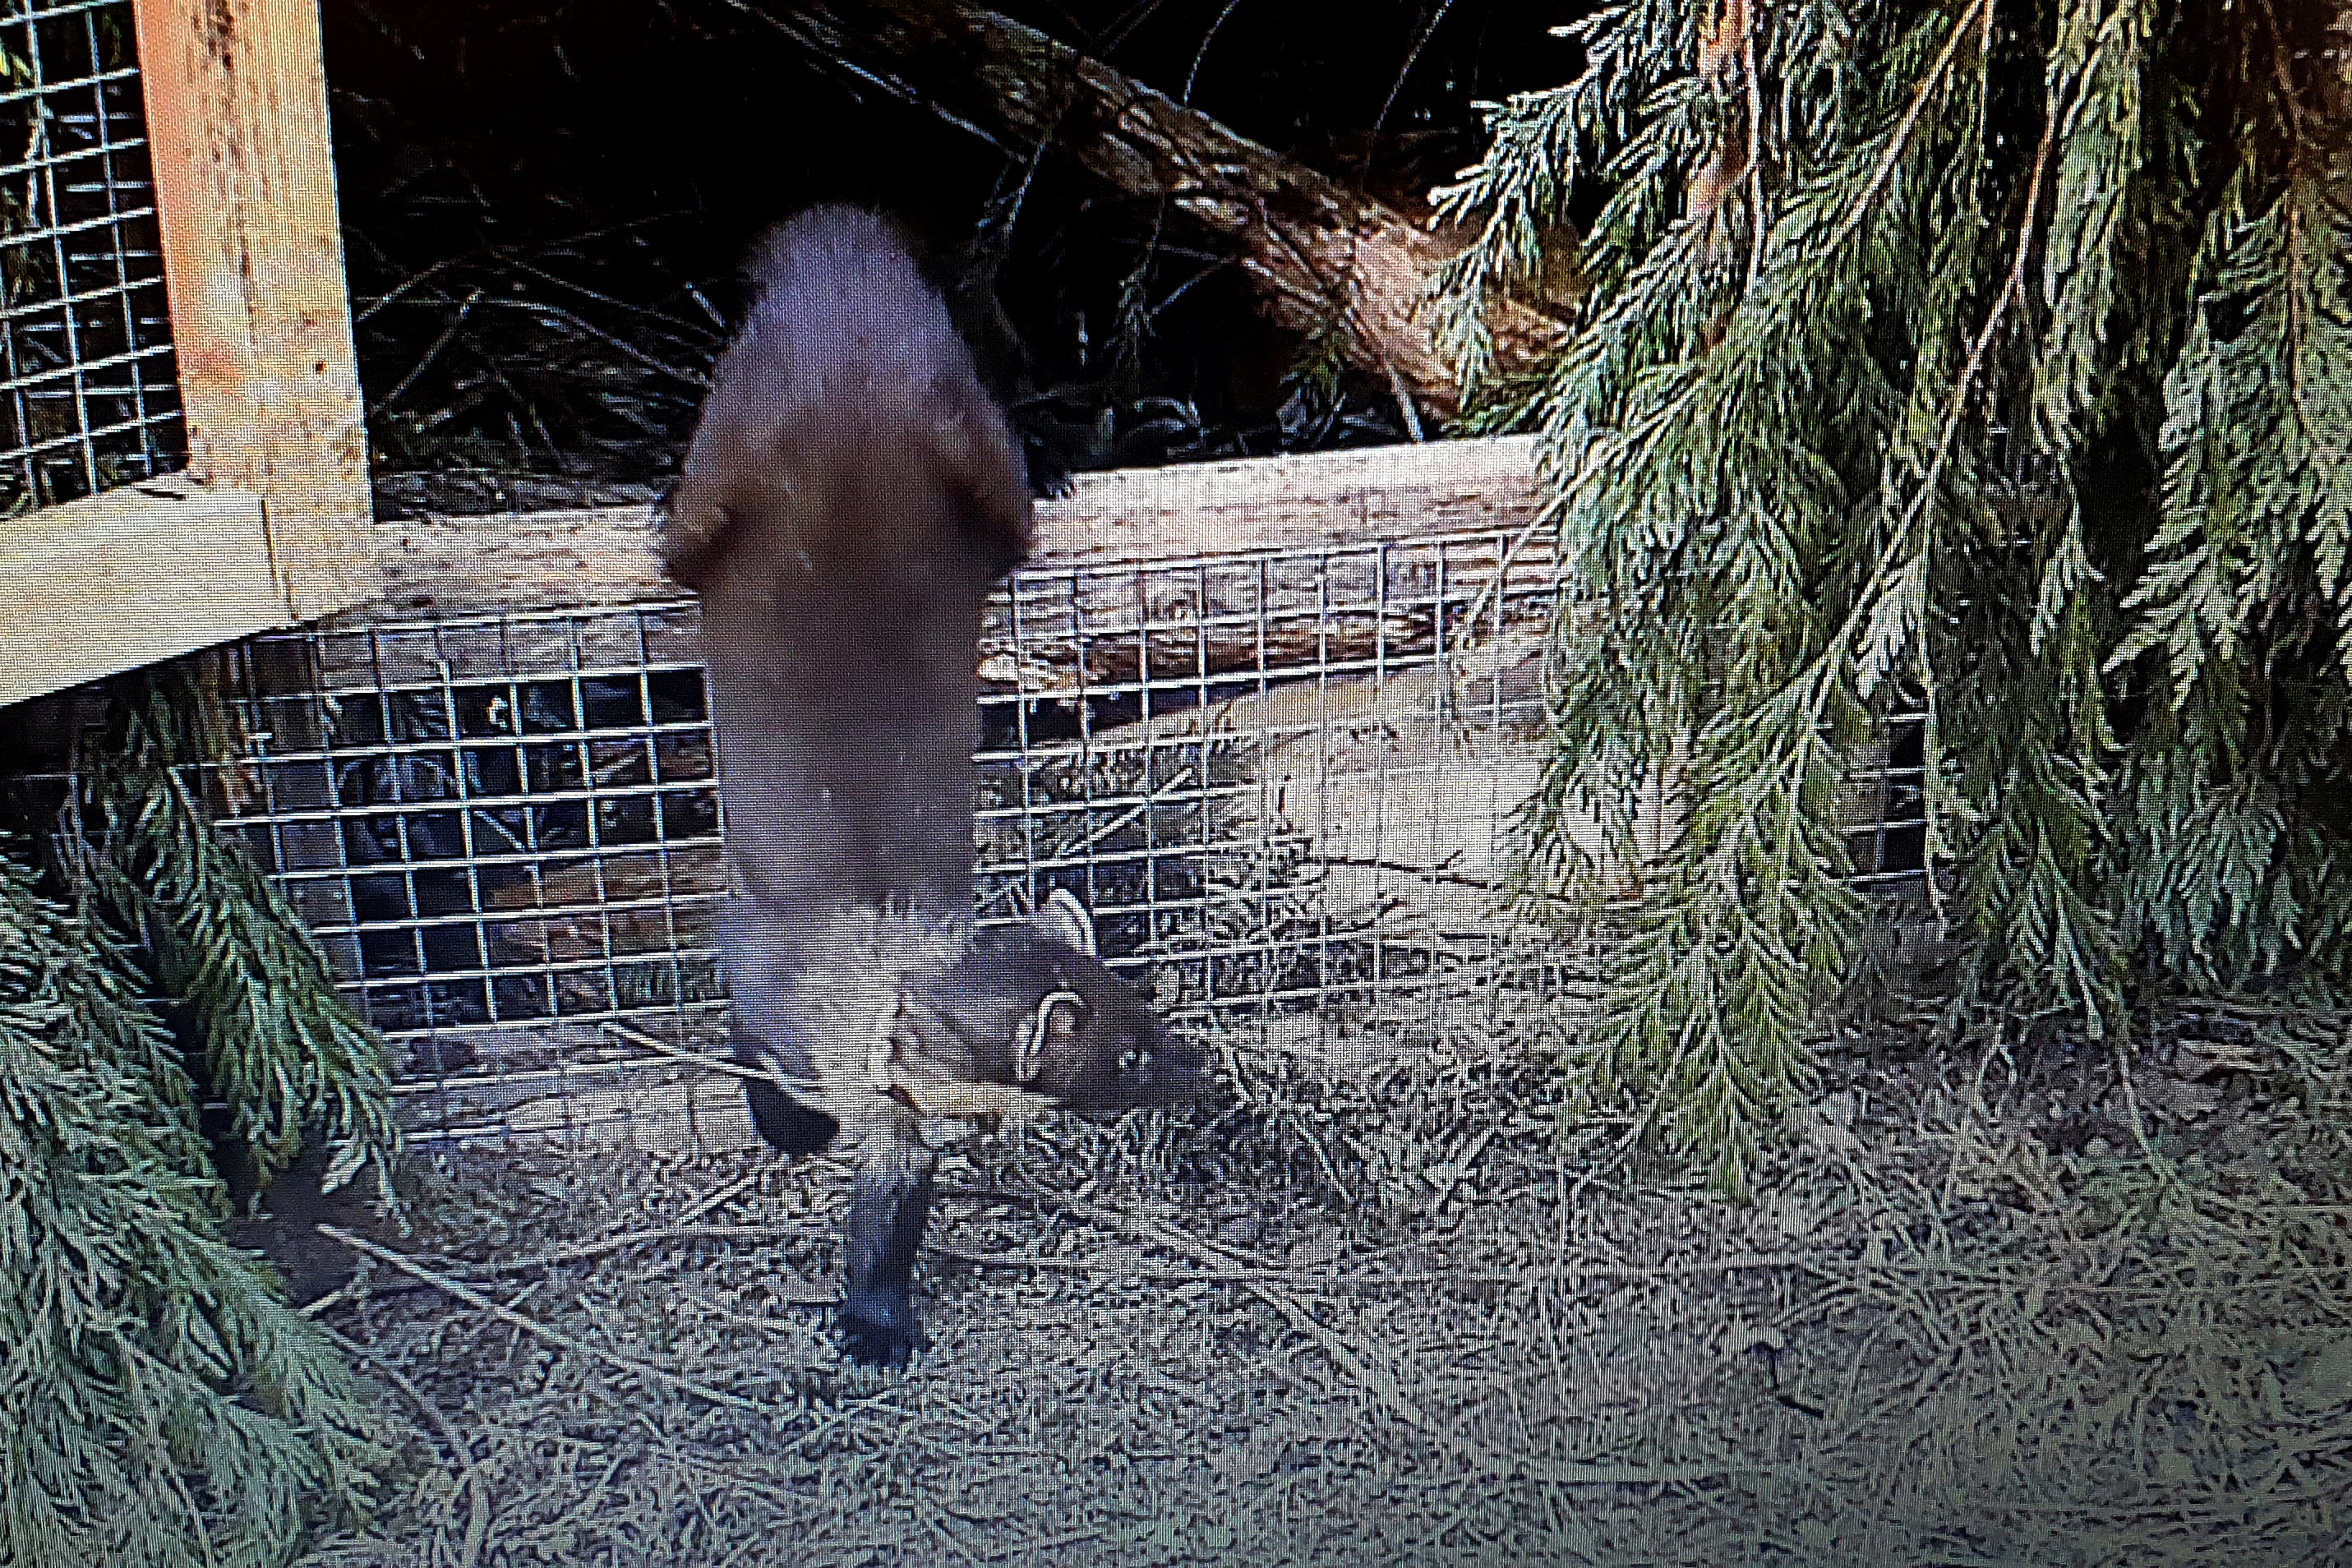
pixel 1283 781
pixel 88 397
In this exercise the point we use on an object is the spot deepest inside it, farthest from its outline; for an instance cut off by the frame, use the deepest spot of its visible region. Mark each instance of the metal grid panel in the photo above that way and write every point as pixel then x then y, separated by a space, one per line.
pixel 1285 776
pixel 504 831
pixel 1282 780
pixel 88 397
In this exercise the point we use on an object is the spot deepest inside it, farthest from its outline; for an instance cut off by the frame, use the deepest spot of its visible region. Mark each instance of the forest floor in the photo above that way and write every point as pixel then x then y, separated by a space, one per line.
pixel 2017 1310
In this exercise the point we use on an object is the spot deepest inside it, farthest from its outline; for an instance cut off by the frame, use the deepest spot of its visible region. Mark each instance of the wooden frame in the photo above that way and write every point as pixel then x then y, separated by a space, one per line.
pixel 271 523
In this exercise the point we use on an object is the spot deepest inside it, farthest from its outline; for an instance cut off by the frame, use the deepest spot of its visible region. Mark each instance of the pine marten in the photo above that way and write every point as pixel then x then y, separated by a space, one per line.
pixel 848 500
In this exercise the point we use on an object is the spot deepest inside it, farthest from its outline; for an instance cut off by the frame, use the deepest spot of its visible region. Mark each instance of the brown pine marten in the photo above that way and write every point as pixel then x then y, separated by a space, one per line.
pixel 848 500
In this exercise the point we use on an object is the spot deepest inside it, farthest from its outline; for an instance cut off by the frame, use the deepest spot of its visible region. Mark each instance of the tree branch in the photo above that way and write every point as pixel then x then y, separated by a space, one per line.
pixel 1902 137
pixel 1315 251
pixel 1758 221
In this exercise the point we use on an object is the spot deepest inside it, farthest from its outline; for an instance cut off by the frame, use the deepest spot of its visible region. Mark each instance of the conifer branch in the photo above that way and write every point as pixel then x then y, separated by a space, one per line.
pixel 1772 487
pixel 1891 154
pixel 143 1352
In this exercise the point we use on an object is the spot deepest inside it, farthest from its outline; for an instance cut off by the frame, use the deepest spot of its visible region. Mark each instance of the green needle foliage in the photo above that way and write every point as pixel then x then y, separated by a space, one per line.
pixel 159 1402
pixel 280 1047
pixel 1993 353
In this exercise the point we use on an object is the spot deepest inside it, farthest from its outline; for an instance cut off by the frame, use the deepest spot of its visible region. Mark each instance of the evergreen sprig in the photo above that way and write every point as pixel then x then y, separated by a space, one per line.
pixel 1996 352
pixel 160 1403
pixel 280 1047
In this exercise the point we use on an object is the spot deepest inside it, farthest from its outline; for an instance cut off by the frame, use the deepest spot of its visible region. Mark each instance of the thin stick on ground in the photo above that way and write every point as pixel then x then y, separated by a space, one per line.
pixel 469 1472
pixel 643 1371
pixel 1374 1382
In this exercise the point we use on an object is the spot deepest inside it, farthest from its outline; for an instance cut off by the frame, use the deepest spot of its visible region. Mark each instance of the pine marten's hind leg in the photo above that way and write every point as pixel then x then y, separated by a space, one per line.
pixel 890 1202
pixel 771 1045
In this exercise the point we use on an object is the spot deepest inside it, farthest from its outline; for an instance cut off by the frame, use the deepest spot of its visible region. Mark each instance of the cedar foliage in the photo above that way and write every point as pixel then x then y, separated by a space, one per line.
pixel 160 1401
pixel 1997 352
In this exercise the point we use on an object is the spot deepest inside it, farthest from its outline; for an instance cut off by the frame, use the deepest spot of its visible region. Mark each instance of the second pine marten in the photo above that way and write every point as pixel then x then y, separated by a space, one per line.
pixel 849 499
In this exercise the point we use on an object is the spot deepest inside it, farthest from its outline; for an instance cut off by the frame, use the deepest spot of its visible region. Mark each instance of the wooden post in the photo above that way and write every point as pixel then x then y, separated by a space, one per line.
pixel 253 260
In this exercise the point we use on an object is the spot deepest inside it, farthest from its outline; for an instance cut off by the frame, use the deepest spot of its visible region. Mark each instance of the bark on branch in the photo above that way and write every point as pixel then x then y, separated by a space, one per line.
pixel 1314 250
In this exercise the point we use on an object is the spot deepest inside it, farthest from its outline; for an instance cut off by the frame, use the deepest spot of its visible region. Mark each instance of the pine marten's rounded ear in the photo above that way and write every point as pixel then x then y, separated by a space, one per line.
pixel 1048 1031
pixel 976 463
pixel 689 535
pixel 1066 921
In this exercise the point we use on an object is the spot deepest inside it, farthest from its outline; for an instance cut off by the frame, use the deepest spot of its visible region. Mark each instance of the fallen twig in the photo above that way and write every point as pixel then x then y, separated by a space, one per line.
pixel 469 1477
pixel 643 1371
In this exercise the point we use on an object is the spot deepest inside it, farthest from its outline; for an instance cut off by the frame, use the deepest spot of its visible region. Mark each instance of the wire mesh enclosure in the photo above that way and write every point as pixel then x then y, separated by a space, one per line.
pixel 1283 781
pixel 89 396
pixel 179 400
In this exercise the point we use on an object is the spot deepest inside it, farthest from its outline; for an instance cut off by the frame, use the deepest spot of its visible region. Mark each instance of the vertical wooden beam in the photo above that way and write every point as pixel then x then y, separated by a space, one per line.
pixel 253 260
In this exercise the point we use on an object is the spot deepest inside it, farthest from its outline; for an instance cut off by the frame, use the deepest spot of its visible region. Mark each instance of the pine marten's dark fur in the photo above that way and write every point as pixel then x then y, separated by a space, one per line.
pixel 849 499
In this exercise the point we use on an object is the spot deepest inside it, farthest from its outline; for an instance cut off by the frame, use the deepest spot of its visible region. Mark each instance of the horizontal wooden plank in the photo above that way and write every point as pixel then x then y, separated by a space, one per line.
pixel 1308 500
pixel 120 580
pixel 453 566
